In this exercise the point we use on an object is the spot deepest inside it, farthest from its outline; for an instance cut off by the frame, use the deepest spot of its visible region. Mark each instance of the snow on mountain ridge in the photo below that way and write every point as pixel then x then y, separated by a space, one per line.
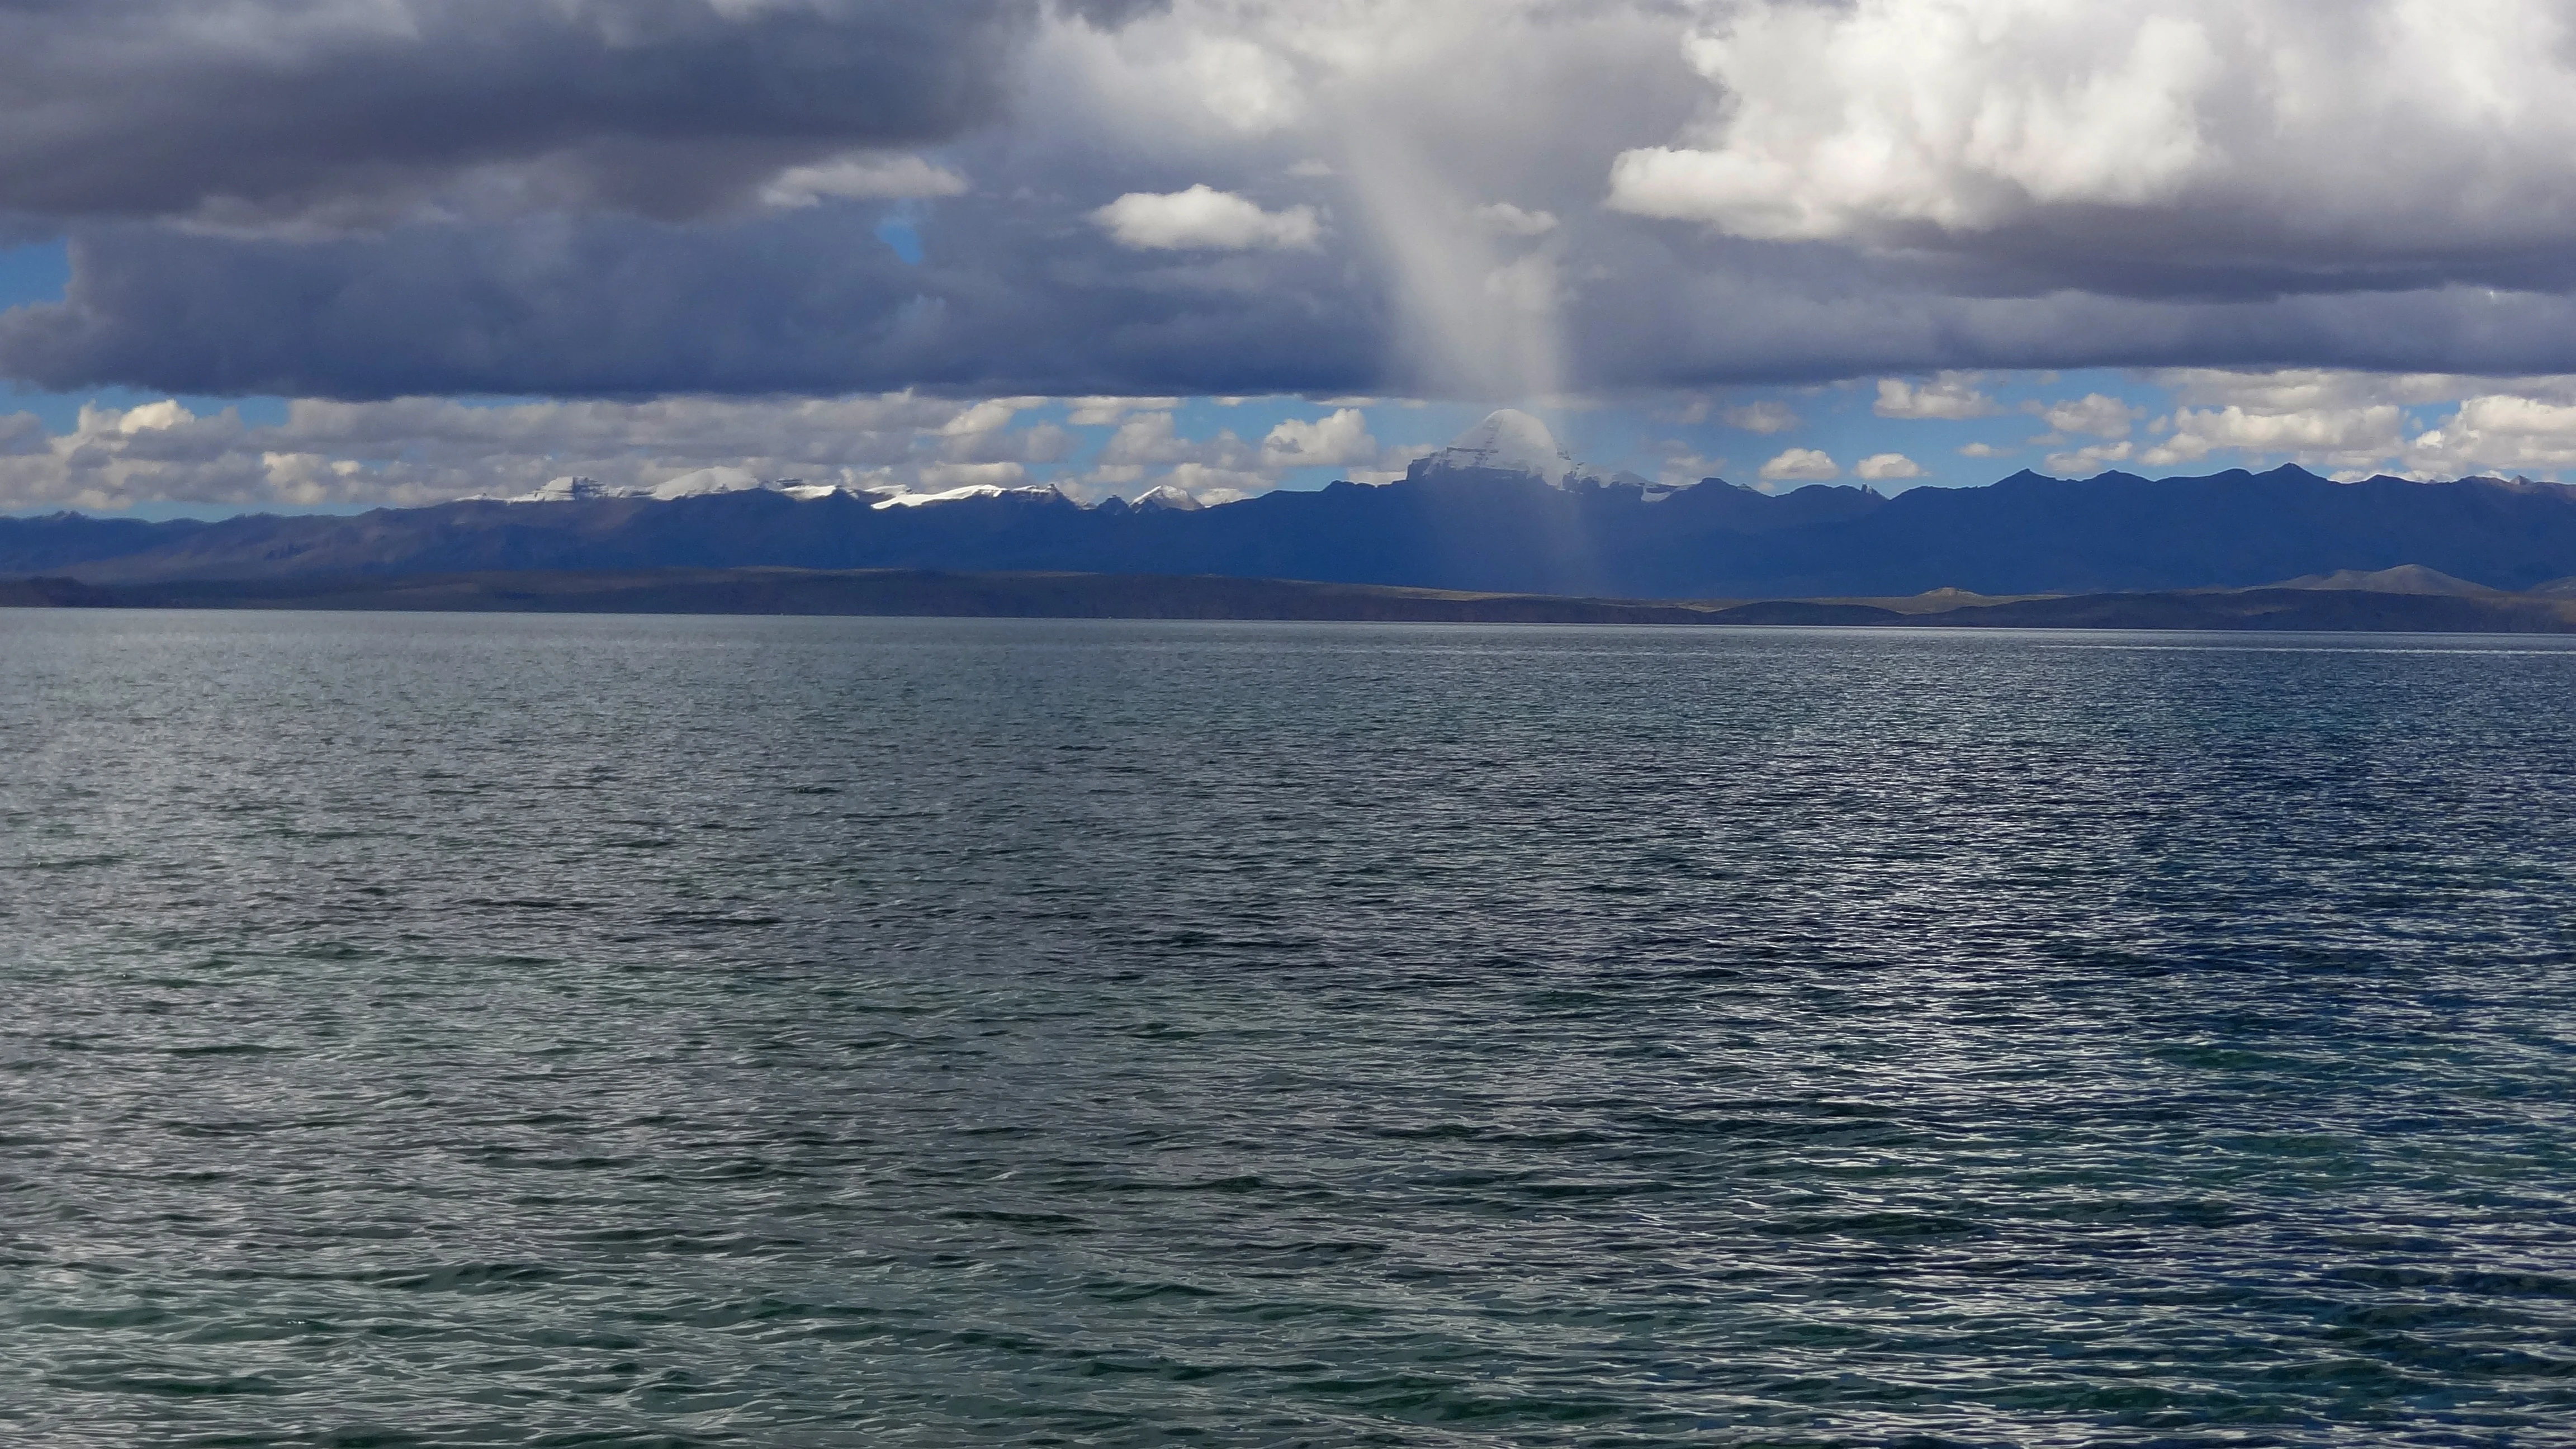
pixel 564 490
pixel 703 483
pixel 1168 496
pixel 953 495
pixel 706 481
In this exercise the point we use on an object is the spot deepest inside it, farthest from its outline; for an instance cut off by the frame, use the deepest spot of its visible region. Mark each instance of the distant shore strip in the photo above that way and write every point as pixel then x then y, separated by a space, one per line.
pixel 2352 604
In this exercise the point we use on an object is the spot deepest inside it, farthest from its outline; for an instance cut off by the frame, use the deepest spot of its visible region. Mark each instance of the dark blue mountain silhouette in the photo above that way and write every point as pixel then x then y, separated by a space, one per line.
pixel 1452 529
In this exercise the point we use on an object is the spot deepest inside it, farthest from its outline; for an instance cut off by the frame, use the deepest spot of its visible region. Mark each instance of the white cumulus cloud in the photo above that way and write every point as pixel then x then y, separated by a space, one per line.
pixel 1953 396
pixel 1881 466
pixel 1804 465
pixel 1959 113
pixel 1203 218
pixel 410 451
pixel 2087 461
pixel 2094 414
pixel 2270 127
pixel 1337 441
pixel 2497 433
pixel 2329 435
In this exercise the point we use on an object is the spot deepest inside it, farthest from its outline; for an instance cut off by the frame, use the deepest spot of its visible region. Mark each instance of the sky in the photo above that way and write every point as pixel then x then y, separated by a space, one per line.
pixel 335 254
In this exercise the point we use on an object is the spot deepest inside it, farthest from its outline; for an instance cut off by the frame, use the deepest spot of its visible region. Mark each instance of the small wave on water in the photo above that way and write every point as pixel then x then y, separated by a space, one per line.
pixel 493 1030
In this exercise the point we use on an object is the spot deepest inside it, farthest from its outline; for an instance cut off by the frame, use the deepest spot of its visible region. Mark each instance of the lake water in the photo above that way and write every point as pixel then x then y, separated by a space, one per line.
pixel 664 1031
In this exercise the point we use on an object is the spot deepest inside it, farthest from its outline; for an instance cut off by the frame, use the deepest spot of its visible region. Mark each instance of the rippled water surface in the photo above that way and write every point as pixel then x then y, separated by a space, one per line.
pixel 464 1030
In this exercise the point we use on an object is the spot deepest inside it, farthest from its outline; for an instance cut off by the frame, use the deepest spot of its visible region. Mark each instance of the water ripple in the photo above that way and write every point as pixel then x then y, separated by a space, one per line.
pixel 432 1031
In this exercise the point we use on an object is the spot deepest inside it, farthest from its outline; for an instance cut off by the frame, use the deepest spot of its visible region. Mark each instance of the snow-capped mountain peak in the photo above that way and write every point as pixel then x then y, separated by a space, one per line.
pixel 1166 496
pixel 1507 441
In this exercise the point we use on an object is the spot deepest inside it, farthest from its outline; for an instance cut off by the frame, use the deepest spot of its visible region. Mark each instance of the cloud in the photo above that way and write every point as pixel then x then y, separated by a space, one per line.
pixel 793 301
pixel 2498 433
pixel 2307 137
pixel 2087 461
pixel 620 307
pixel 533 275
pixel 861 178
pixel 380 198
pixel 1839 122
pixel 1105 412
pixel 410 451
pixel 1154 440
pixel 1760 417
pixel 420 450
pixel 2327 435
pixel 1226 466
pixel 22 435
pixel 1951 396
pixel 1339 440
pixel 2353 424
pixel 1504 219
pixel 280 114
pixel 1800 464
pixel 2278 390
pixel 1682 466
pixel 2094 413
pixel 1203 218
pixel 2338 421
pixel 942 477
pixel 424 450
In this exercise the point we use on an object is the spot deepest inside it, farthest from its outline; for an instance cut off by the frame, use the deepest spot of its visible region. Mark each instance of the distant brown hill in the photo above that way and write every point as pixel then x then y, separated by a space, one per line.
pixel 2403 579
pixel 903 592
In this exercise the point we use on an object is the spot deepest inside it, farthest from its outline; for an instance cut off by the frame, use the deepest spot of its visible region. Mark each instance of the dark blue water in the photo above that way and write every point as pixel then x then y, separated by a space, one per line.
pixel 848 1032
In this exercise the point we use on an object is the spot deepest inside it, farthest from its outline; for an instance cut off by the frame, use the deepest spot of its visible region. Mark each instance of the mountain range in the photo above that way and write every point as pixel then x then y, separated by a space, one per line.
pixel 1505 518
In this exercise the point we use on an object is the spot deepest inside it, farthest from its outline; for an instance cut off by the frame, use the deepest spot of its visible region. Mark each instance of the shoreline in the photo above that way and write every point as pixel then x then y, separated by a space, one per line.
pixel 935 594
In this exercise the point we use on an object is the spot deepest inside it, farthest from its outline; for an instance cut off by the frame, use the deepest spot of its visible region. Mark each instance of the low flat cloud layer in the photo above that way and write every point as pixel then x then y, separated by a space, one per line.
pixel 1949 428
pixel 418 450
pixel 1472 199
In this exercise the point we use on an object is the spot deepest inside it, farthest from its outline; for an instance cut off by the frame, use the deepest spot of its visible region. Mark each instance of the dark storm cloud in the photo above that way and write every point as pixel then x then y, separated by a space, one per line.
pixel 807 302
pixel 248 111
pixel 1665 309
pixel 1012 301
pixel 1469 197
